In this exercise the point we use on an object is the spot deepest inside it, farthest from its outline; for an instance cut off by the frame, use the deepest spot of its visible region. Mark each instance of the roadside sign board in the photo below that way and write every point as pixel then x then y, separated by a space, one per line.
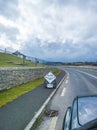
pixel 50 77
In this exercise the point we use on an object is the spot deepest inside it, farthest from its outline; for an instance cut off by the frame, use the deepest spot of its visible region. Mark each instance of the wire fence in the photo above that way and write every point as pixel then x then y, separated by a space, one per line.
pixel 19 54
pixel 5 51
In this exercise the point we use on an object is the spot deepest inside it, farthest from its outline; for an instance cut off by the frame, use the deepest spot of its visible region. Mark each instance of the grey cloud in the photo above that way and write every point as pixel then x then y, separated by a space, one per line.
pixel 86 5
pixel 82 4
pixel 32 48
pixel 10 32
pixel 9 8
pixel 57 2
pixel 53 46
pixel 77 52
pixel 57 51
pixel 62 2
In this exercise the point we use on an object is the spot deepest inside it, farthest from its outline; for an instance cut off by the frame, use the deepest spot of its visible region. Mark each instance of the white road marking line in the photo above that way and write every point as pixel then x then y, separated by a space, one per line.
pixel 88 74
pixel 66 82
pixel 68 77
pixel 31 123
pixel 63 92
pixel 53 123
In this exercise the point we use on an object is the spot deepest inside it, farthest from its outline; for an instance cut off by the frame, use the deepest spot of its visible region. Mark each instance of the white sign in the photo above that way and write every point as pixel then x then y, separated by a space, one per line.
pixel 50 77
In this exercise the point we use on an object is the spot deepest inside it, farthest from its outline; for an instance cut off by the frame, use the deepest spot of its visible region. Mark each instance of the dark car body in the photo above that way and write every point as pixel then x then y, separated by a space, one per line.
pixel 53 84
pixel 82 115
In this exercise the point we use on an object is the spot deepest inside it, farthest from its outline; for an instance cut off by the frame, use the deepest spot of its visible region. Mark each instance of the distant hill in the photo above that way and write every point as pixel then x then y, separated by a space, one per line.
pixel 76 63
pixel 72 63
pixel 10 60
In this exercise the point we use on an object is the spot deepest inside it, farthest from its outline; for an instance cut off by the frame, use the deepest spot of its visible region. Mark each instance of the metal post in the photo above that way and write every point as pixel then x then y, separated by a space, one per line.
pixel 24 57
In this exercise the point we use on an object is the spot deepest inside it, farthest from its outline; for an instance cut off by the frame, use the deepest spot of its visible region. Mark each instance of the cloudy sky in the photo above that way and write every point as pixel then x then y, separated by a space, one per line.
pixel 53 30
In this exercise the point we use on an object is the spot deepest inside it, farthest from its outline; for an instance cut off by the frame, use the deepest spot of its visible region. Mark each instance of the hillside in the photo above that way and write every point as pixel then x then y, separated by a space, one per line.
pixel 9 60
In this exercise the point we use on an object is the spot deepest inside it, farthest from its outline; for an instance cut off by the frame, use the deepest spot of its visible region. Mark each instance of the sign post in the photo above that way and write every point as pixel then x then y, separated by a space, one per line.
pixel 50 78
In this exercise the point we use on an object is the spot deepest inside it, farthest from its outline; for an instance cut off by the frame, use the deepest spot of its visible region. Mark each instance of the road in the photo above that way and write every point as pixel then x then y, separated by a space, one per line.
pixel 17 114
pixel 77 83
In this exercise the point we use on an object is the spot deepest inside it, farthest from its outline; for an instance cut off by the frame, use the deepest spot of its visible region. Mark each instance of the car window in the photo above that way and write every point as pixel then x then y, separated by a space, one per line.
pixel 87 109
pixel 74 124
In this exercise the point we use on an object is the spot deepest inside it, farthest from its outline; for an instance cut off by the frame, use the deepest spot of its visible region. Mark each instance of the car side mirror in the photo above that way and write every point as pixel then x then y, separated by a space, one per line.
pixel 67 119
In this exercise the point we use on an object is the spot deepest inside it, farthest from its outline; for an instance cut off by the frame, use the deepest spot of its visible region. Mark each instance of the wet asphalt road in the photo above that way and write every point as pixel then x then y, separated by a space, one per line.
pixel 17 114
pixel 77 83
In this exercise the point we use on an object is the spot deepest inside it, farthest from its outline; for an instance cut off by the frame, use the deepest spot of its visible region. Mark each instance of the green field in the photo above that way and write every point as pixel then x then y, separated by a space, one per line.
pixel 10 60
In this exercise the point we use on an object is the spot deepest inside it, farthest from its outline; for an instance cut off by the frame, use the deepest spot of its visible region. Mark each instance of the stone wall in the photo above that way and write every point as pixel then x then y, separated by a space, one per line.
pixel 11 77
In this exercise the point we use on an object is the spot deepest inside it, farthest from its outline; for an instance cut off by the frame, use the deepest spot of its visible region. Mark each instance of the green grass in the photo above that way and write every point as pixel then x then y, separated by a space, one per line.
pixel 57 72
pixel 9 60
pixel 13 93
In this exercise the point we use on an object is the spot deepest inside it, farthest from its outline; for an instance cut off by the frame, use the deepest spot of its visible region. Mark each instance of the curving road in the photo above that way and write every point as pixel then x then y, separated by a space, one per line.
pixel 77 83
pixel 17 114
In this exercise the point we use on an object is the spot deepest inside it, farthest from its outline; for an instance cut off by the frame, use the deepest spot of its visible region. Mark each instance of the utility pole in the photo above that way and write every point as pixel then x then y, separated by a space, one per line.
pixel 36 61
pixel 24 57
pixel 5 50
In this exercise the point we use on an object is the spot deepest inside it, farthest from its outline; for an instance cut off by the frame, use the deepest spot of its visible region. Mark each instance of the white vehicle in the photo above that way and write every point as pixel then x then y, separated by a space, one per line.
pixel 53 84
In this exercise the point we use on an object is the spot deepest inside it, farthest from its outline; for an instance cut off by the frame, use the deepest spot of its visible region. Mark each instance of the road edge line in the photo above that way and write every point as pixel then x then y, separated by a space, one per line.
pixel 88 74
pixel 31 123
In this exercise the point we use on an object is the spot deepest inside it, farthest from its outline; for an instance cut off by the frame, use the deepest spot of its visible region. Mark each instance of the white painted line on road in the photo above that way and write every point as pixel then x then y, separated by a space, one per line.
pixel 53 123
pixel 88 74
pixel 31 123
pixel 66 82
pixel 67 74
pixel 63 92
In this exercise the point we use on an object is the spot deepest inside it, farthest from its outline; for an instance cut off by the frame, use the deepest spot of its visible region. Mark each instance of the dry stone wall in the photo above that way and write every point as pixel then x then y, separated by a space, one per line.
pixel 11 77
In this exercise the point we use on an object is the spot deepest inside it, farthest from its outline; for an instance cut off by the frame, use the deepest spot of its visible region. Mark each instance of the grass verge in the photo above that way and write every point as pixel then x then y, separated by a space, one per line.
pixel 13 93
